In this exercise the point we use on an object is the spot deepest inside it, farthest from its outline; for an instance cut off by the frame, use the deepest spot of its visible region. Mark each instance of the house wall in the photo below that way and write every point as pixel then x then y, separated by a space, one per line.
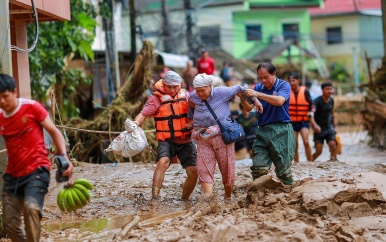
pixel 271 22
pixel 359 32
pixel 371 40
pixel 152 26
pixel 47 10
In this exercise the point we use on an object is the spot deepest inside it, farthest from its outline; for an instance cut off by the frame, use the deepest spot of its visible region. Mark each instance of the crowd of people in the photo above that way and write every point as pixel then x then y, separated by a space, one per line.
pixel 273 113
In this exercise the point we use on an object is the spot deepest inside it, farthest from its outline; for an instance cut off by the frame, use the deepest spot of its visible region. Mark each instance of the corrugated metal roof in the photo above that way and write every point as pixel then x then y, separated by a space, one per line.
pixel 345 6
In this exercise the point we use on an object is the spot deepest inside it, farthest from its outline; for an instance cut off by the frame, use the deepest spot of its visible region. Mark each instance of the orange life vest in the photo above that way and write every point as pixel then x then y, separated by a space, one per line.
pixel 299 107
pixel 171 118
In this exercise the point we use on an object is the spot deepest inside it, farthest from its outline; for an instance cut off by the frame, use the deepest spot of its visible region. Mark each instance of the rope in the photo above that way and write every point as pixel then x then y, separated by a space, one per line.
pixel 96 131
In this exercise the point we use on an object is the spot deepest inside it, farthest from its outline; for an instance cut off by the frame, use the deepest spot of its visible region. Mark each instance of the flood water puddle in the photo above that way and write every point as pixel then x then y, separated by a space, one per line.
pixel 97 225
pixel 93 225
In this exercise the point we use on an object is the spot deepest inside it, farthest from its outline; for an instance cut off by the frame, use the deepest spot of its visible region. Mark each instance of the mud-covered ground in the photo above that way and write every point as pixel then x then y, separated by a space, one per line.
pixel 330 201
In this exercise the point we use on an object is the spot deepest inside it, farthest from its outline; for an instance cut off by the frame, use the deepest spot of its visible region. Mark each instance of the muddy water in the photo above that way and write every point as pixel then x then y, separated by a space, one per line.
pixel 124 190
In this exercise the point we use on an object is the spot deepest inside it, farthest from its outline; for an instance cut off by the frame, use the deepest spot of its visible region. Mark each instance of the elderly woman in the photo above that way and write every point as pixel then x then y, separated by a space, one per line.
pixel 211 148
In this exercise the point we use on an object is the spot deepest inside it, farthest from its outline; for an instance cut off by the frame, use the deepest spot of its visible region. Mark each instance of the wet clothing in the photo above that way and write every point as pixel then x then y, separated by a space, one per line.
pixel 171 116
pixel 297 126
pixel 323 113
pixel 24 196
pixel 27 176
pixel 214 151
pixel 151 108
pixel 24 139
pixel 181 146
pixel 300 105
pixel 325 135
pixel 323 117
pixel 219 102
pixel 275 114
pixel 206 65
pixel 275 142
pixel 186 153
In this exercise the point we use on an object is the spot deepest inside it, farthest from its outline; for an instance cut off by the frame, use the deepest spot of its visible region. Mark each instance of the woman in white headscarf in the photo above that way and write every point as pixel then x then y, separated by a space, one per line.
pixel 211 149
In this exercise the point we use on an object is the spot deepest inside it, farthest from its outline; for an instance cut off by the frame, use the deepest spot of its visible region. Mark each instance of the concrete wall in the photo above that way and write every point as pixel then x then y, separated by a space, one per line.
pixel 271 23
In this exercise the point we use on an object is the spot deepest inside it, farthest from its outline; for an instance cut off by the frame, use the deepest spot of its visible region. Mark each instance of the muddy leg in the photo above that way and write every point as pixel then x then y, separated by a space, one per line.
pixel 12 213
pixel 159 175
pixel 318 151
pixel 296 158
pixel 32 216
pixel 207 188
pixel 332 147
pixel 34 194
pixel 228 190
pixel 190 182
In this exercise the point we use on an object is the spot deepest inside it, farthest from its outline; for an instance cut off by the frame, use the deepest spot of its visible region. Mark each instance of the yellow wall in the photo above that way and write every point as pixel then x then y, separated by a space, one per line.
pixel 341 53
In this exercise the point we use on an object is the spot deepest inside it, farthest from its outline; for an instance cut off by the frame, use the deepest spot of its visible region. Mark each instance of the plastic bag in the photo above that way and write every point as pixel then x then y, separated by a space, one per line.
pixel 338 145
pixel 130 142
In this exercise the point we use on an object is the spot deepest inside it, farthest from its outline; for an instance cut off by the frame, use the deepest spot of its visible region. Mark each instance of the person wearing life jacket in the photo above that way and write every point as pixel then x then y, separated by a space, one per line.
pixel 300 112
pixel 168 105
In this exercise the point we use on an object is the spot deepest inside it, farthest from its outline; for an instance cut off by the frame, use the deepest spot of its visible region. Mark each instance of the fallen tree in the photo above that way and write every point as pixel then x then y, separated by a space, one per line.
pixel 88 146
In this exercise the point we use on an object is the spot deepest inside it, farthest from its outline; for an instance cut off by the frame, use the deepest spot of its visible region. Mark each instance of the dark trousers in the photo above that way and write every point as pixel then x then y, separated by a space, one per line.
pixel 24 196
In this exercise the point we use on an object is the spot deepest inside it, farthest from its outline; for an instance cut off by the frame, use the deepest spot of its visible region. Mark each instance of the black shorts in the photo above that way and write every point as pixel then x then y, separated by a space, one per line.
pixel 297 126
pixel 324 135
pixel 186 153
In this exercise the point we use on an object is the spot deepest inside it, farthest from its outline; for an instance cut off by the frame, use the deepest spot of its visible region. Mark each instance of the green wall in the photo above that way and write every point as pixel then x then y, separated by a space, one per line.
pixel 271 22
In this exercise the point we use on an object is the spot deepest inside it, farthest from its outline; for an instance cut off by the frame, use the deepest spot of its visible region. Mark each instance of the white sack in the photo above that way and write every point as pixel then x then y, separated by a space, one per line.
pixel 130 142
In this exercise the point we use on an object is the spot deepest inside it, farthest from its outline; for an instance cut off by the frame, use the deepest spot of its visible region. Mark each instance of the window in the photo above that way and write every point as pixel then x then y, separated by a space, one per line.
pixel 334 35
pixel 291 32
pixel 210 36
pixel 253 32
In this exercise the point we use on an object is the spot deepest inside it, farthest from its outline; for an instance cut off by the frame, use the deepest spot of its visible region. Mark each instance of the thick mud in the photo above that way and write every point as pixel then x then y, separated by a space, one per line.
pixel 329 201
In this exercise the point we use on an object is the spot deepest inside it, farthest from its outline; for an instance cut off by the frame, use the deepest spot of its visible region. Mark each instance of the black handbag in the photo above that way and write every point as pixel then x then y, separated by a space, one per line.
pixel 231 130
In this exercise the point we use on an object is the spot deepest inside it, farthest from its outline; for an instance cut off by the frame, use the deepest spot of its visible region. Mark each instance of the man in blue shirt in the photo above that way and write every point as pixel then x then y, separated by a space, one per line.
pixel 274 142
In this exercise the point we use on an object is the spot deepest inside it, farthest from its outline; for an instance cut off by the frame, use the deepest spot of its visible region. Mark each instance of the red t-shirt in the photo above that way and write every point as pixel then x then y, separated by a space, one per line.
pixel 23 135
pixel 206 65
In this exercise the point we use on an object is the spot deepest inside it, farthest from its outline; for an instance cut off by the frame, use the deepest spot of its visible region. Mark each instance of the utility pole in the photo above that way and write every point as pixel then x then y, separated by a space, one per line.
pixel 189 25
pixel 5 39
pixel 384 30
pixel 111 55
pixel 166 29
pixel 133 31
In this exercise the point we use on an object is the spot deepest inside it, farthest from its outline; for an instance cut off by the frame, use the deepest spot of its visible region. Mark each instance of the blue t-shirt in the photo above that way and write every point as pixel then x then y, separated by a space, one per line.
pixel 275 114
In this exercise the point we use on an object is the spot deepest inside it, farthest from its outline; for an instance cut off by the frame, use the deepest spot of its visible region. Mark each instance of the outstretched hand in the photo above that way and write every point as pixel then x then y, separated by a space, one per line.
pixel 258 106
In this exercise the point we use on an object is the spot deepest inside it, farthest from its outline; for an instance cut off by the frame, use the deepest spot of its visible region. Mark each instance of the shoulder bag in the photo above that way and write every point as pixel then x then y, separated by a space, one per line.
pixel 231 131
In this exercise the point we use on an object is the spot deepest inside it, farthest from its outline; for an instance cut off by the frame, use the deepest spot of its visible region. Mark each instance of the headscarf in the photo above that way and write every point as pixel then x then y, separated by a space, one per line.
pixel 202 80
pixel 172 78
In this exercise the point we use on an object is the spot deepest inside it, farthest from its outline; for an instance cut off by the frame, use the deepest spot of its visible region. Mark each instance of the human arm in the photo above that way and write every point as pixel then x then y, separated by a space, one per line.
pixel 59 142
pixel 140 118
pixel 271 99
pixel 250 102
pixel 189 125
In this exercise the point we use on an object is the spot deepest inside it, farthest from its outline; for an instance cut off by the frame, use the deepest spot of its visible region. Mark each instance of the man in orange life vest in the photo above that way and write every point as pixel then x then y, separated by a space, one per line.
pixel 168 105
pixel 300 113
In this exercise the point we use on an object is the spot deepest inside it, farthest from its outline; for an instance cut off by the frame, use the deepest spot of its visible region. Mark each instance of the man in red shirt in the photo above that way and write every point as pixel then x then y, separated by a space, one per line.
pixel 27 174
pixel 205 64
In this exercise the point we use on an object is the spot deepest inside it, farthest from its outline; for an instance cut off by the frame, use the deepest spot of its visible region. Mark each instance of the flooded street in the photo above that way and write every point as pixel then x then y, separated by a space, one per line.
pixel 260 211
